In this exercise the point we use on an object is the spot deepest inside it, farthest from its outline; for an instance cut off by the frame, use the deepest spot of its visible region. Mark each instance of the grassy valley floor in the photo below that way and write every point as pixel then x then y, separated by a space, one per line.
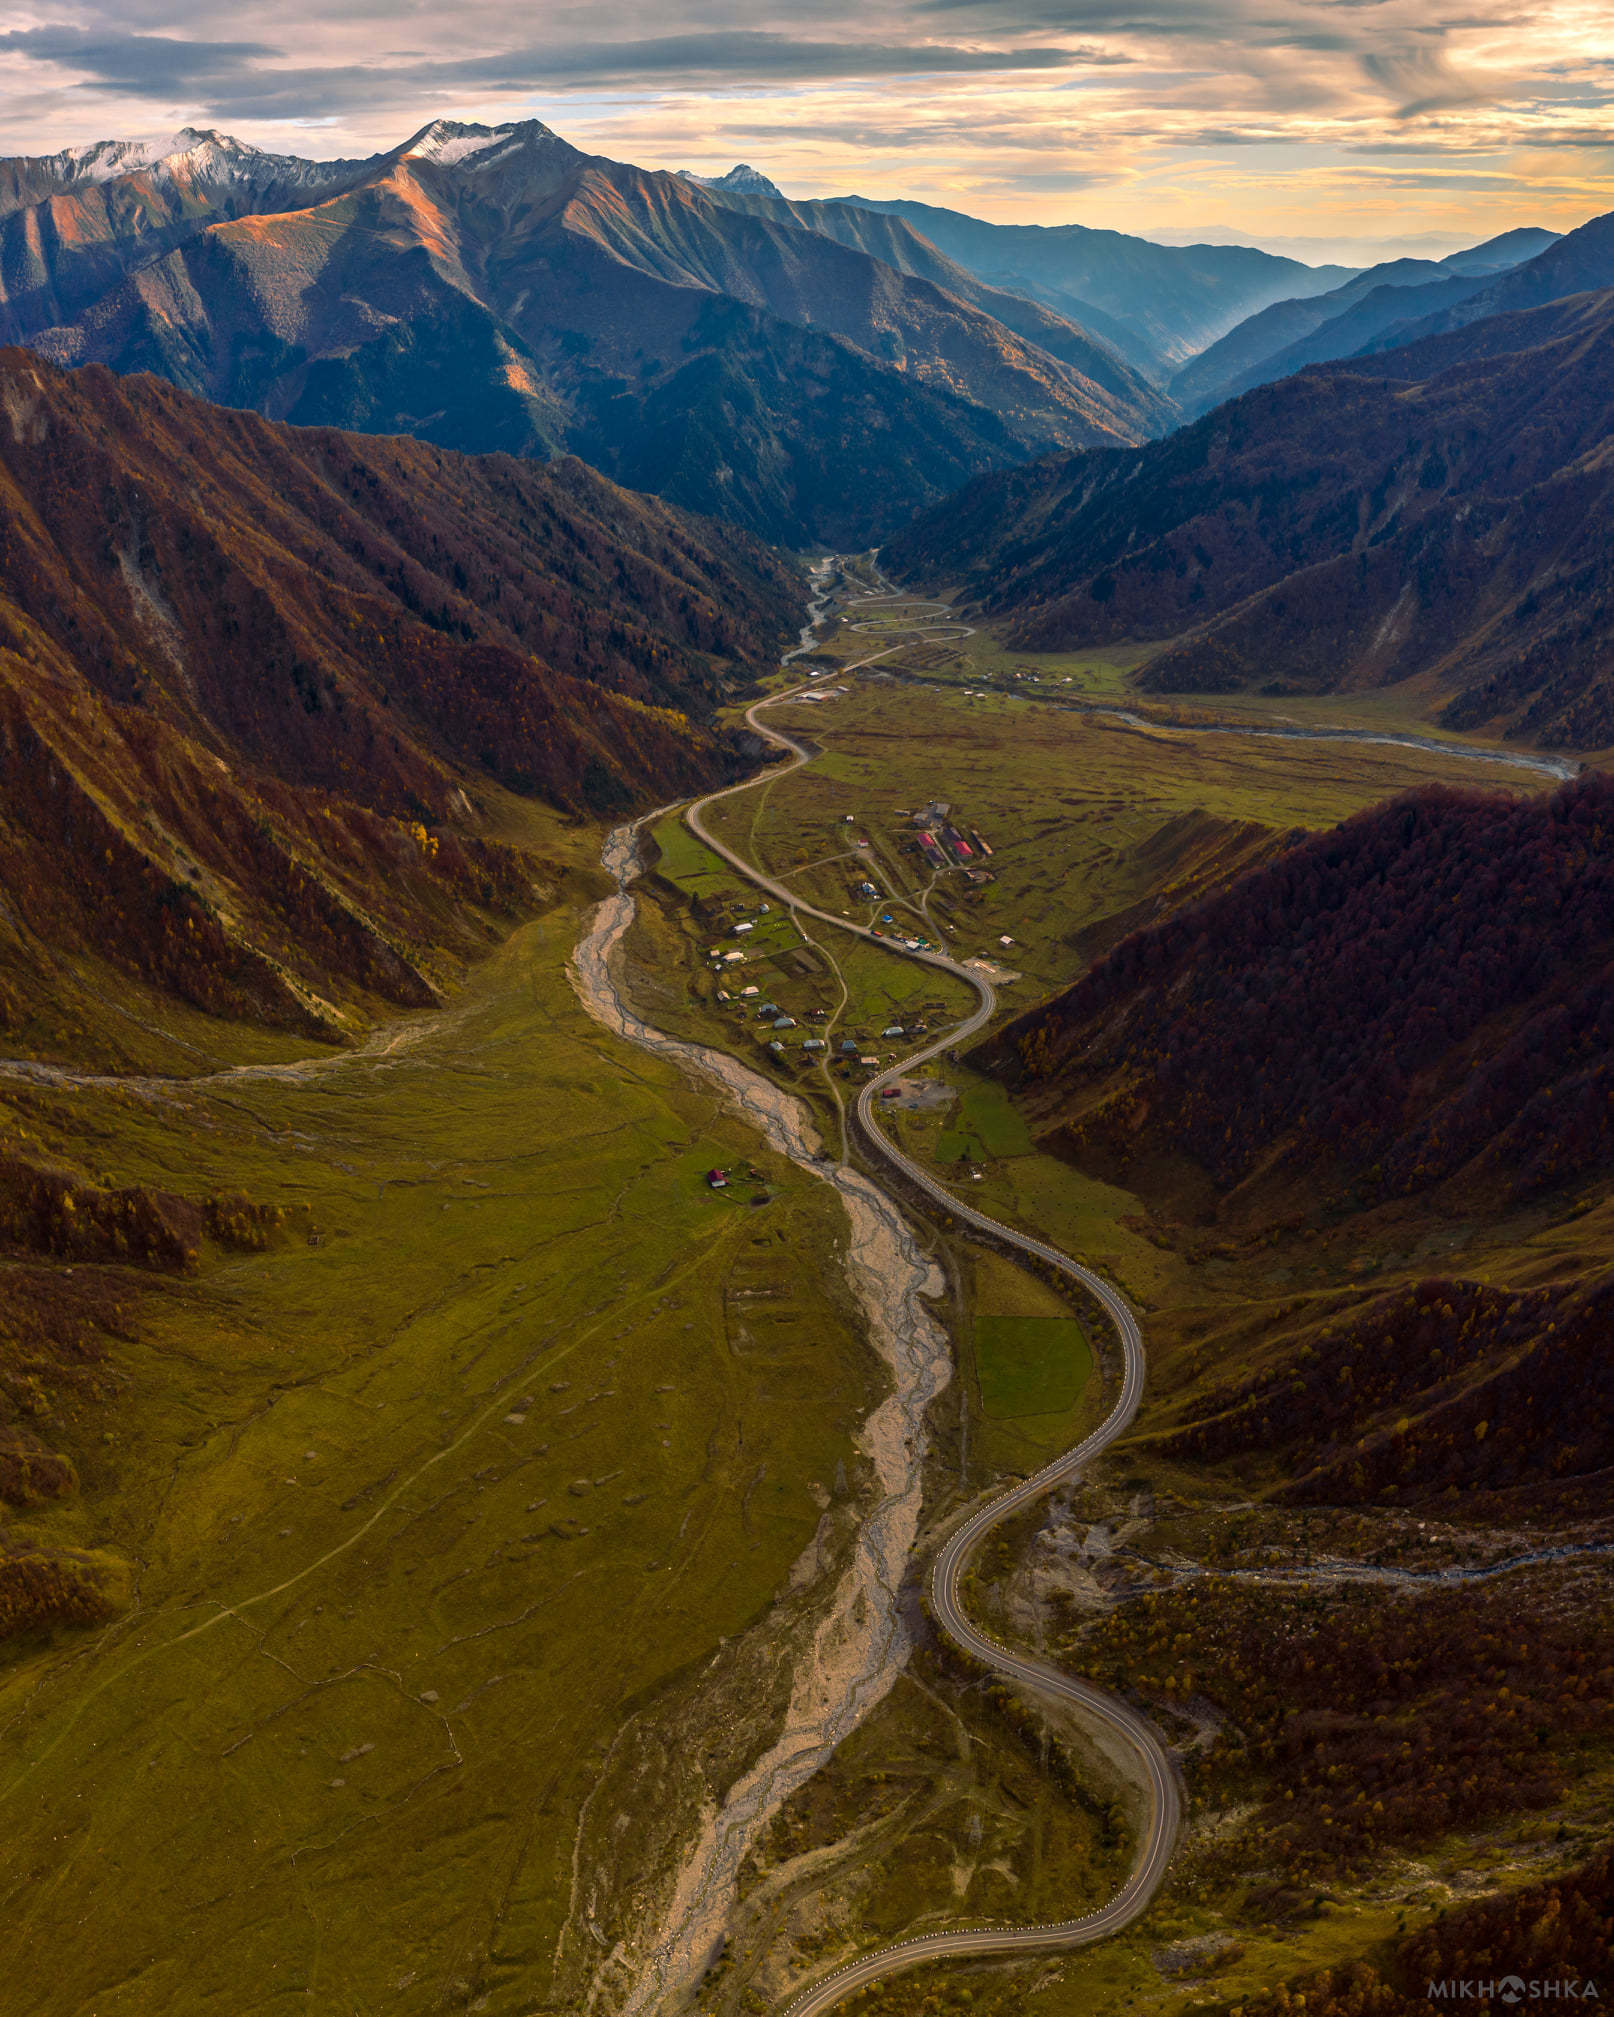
pixel 447 1543
pixel 469 1480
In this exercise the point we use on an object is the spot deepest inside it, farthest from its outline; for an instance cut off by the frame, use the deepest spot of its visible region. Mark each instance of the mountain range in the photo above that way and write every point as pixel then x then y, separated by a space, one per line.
pixel 1441 511
pixel 1381 305
pixel 815 371
pixel 1159 304
pixel 496 288
pixel 262 690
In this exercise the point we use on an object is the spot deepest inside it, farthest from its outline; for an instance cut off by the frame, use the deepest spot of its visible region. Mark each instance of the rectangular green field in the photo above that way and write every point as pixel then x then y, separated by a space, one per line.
pixel 994 1120
pixel 1030 1365
pixel 684 858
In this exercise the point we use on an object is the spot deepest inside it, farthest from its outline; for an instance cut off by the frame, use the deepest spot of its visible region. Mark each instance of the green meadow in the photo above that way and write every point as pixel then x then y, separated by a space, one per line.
pixel 421 1514
pixel 1087 816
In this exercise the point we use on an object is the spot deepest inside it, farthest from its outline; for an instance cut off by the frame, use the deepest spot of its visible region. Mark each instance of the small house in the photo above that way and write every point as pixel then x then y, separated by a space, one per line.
pixel 717 1180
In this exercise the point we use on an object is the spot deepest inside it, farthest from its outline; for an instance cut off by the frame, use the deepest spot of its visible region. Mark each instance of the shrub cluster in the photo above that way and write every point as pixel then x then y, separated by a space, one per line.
pixel 1371 1719
pixel 1558 1930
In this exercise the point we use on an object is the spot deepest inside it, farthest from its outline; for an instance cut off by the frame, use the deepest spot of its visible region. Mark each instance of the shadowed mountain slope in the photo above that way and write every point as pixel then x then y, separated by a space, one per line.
pixel 1442 512
pixel 1392 1040
pixel 252 678
pixel 1421 996
pixel 496 288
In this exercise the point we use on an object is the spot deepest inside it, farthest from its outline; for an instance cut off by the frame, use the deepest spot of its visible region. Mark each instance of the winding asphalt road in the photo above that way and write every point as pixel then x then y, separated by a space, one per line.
pixel 1154 1766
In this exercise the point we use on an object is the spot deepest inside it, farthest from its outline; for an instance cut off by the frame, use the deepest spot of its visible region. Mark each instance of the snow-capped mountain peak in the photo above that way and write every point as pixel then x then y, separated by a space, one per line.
pixel 193 154
pixel 449 143
pixel 105 160
pixel 742 179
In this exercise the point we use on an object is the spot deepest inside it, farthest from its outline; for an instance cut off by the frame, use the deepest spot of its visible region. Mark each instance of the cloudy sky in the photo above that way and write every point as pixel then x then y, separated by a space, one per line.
pixel 1300 124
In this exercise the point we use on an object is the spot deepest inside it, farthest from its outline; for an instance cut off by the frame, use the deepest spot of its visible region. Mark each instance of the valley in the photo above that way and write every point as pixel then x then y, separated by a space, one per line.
pixel 1118 1225
pixel 508 1394
pixel 694 1325
pixel 414 1547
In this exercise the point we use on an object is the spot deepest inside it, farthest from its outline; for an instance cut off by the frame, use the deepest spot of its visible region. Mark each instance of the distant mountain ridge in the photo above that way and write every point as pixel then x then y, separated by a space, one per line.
pixel 1579 262
pixel 497 288
pixel 190 159
pixel 1159 304
pixel 741 180
pixel 890 239
pixel 1442 512
pixel 1306 330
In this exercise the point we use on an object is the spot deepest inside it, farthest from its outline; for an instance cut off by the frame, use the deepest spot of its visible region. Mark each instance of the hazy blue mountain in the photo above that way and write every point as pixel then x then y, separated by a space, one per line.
pixel 893 240
pixel 1291 334
pixel 1159 304
pixel 1578 263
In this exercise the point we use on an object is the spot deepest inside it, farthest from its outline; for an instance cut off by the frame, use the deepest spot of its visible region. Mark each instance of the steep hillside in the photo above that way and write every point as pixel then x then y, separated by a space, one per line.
pixel 1392 1041
pixel 1159 304
pixel 893 241
pixel 1420 997
pixel 1443 513
pixel 252 678
pixel 495 288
